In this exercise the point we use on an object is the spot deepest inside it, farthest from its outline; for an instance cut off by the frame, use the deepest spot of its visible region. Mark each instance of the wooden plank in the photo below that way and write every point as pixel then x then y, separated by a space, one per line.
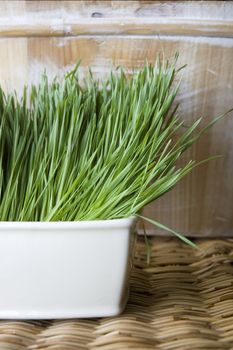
pixel 120 9
pixel 72 18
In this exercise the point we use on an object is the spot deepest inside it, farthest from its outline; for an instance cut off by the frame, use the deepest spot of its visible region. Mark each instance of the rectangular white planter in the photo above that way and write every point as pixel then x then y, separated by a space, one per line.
pixel 64 269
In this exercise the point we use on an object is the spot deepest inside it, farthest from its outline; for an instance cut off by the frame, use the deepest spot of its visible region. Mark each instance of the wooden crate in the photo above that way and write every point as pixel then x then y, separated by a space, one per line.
pixel 35 35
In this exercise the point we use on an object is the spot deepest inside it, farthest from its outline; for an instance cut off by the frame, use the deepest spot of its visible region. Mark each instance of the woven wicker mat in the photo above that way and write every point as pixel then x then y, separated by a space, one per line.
pixel 183 300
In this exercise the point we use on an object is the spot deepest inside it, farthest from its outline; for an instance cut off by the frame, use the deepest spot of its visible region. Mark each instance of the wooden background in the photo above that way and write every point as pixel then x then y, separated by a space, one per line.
pixel 35 35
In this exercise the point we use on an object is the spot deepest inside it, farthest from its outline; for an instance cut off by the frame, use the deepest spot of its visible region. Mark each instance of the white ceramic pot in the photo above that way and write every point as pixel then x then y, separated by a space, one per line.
pixel 64 269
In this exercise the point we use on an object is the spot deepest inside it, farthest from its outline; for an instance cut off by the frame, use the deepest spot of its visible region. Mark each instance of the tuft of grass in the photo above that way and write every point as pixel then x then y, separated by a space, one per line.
pixel 91 150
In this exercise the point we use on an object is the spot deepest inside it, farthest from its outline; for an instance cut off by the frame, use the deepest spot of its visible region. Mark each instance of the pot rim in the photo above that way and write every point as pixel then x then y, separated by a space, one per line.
pixel 71 225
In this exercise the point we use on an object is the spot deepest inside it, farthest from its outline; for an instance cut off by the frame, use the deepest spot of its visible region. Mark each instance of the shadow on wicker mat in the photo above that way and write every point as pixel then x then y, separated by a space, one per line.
pixel 183 300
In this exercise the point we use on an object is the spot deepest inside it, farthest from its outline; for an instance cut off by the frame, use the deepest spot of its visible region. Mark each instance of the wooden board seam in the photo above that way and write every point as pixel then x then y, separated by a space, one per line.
pixel 29 27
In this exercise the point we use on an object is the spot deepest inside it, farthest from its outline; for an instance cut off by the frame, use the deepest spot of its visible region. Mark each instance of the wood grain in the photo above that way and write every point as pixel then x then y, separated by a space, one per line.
pixel 202 204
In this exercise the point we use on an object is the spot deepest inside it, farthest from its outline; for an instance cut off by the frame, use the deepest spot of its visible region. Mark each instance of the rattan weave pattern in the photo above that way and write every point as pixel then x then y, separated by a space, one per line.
pixel 183 301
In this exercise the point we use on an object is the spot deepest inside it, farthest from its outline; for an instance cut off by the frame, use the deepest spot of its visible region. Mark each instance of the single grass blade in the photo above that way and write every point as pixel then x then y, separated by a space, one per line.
pixel 163 227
